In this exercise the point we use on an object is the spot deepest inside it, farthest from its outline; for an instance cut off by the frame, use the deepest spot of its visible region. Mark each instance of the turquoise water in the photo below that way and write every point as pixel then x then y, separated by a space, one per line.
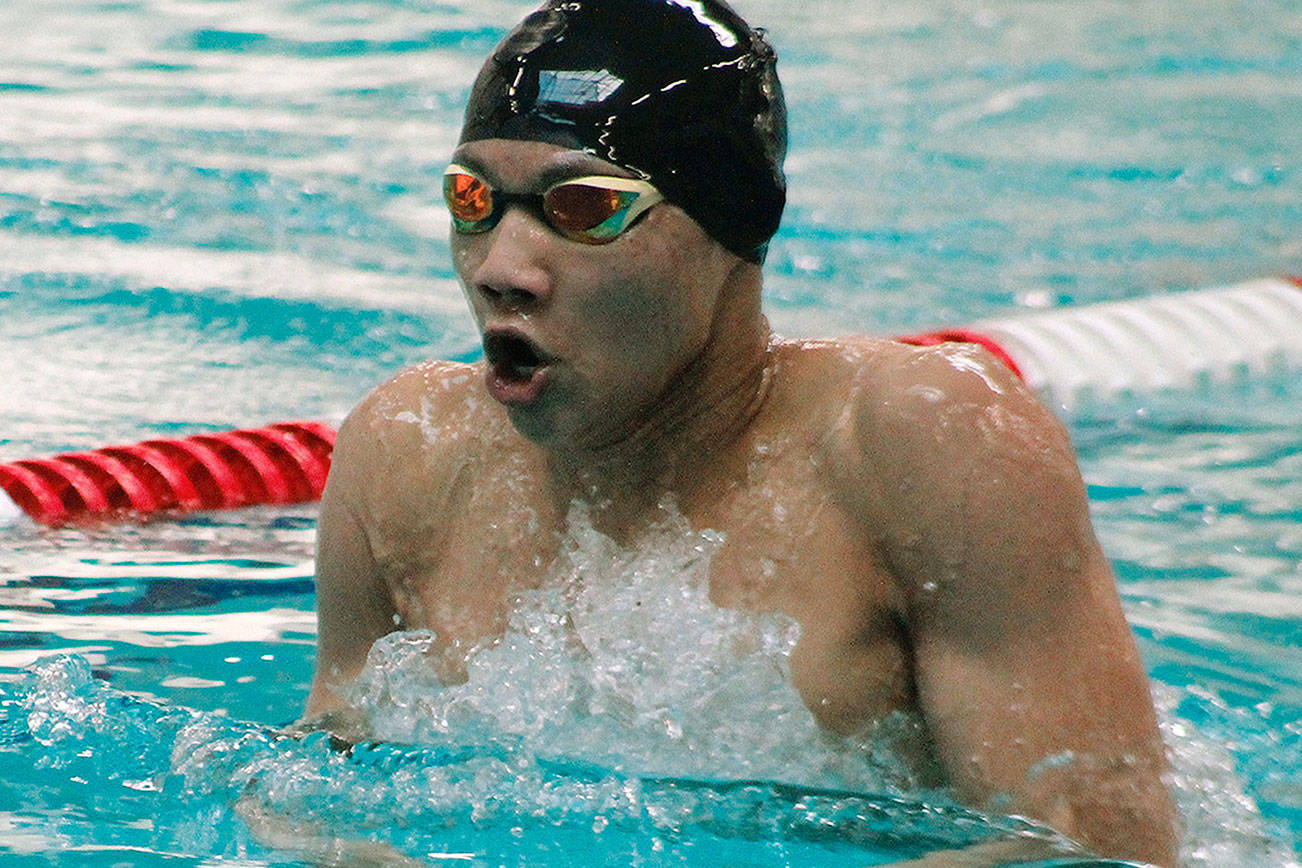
pixel 222 213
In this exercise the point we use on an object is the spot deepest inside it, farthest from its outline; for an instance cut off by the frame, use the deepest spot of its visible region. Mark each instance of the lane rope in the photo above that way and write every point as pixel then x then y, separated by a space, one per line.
pixel 282 463
pixel 1070 356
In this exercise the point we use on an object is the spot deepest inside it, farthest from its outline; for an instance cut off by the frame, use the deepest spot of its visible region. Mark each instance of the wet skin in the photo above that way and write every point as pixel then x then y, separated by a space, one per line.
pixel 915 510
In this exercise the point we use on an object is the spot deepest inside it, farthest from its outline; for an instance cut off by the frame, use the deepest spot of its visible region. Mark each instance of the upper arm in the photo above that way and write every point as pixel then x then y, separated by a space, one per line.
pixel 1026 670
pixel 353 604
pixel 383 514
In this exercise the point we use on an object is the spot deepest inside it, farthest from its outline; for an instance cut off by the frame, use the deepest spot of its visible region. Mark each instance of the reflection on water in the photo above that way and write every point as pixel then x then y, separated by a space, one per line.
pixel 211 611
pixel 200 581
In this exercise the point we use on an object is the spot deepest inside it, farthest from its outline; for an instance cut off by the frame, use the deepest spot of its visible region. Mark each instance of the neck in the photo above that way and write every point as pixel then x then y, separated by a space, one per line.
pixel 706 408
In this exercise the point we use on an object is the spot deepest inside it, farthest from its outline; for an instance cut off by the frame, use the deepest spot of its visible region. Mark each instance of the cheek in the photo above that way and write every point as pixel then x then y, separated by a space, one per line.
pixel 686 293
pixel 464 258
pixel 648 309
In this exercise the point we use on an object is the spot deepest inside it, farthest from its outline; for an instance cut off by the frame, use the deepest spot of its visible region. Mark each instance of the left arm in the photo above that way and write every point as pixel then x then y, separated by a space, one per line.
pixel 1027 673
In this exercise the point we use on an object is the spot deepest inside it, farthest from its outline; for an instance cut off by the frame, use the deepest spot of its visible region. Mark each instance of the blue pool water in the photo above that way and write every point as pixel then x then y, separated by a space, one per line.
pixel 223 213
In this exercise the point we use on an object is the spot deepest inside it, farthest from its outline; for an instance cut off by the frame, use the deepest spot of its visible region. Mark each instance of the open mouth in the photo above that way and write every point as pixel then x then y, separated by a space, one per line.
pixel 512 357
pixel 518 371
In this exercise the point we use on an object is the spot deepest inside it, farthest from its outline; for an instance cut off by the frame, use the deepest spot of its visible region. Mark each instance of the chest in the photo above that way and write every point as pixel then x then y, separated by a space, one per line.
pixel 791 548
pixel 787 547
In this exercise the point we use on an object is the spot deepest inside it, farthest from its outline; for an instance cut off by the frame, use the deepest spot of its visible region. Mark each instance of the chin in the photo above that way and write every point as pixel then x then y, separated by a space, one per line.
pixel 537 425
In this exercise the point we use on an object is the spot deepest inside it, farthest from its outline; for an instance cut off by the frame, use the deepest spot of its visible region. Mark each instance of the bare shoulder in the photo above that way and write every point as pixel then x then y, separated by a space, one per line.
pixel 822 378
pixel 928 414
pixel 976 408
pixel 446 390
pixel 937 449
pixel 408 431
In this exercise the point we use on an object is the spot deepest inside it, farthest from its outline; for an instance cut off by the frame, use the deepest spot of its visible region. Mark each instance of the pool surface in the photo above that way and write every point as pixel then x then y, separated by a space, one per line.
pixel 225 213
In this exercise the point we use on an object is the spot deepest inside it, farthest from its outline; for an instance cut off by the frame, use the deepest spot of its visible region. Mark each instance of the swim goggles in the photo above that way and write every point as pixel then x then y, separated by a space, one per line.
pixel 594 209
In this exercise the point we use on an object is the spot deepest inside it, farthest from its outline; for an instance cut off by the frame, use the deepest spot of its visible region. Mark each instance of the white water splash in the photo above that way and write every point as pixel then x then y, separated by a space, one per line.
pixel 620 658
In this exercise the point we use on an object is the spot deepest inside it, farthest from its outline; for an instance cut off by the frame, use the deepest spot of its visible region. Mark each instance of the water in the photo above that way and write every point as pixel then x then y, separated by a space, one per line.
pixel 225 213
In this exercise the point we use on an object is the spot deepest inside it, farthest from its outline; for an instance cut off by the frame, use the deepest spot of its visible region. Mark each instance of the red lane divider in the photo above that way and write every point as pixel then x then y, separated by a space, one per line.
pixel 963 336
pixel 282 463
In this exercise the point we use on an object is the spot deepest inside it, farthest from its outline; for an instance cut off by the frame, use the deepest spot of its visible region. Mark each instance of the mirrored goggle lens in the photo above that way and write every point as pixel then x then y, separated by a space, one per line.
pixel 585 209
pixel 470 200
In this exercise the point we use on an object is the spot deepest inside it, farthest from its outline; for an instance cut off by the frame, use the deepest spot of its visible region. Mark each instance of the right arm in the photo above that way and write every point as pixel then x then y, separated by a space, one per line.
pixel 381 514
pixel 354 607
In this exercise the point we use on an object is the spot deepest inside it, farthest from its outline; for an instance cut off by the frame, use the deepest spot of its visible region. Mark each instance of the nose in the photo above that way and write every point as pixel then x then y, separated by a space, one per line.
pixel 512 273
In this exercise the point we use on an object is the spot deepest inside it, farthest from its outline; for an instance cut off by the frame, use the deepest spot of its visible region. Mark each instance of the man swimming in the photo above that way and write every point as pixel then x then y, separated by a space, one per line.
pixel 916 511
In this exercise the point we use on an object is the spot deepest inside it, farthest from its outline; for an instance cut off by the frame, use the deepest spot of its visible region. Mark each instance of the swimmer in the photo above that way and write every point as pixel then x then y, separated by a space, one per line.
pixel 915 510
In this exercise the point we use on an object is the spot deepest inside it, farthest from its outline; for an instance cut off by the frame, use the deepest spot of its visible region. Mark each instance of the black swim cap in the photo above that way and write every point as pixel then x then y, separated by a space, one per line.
pixel 682 93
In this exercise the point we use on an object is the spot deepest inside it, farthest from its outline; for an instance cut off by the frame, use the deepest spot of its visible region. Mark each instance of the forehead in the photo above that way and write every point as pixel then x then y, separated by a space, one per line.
pixel 520 164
